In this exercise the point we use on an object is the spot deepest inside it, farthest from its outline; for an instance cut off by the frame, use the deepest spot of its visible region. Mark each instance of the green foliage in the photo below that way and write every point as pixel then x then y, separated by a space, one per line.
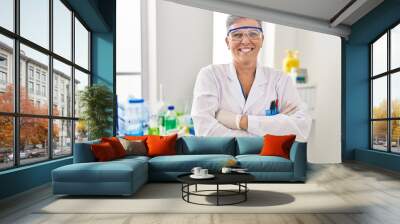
pixel 380 127
pixel 96 102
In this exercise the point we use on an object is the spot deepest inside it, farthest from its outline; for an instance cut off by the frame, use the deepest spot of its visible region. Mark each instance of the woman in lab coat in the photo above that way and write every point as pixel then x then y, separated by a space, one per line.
pixel 232 99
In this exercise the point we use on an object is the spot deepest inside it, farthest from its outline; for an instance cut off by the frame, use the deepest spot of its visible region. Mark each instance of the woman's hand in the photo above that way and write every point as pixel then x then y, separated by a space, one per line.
pixel 289 109
pixel 228 119
pixel 243 124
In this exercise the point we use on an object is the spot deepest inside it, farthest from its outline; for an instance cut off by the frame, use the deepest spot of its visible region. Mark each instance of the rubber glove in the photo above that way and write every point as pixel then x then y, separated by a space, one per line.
pixel 228 119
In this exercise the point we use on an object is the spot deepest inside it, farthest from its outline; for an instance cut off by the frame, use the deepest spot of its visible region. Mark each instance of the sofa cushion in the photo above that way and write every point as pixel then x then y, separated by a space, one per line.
pixel 134 147
pixel 195 145
pixel 161 145
pixel 249 145
pixel 103 152
pixel 112 171
pixel 257 163
pixel 185 163
pixel 116 145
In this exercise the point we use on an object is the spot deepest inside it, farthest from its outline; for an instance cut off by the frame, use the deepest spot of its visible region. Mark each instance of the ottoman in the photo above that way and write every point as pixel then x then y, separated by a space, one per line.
pixel 118 177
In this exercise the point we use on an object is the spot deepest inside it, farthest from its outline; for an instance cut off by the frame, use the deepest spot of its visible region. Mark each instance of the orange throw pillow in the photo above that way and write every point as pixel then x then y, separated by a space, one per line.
pixel 136 138
pixel 161 145
pixel 103 152
pixel 116 145
pixel 277 145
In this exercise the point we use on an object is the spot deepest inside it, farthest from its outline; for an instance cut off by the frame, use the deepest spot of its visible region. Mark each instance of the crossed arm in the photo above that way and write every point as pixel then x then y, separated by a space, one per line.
pixel 210 121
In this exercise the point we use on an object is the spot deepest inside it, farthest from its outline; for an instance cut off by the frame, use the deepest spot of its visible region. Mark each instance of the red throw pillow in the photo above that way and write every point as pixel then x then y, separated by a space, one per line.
pixel 103 152
pixel 161 145
pixel 116 145
pixel 277 145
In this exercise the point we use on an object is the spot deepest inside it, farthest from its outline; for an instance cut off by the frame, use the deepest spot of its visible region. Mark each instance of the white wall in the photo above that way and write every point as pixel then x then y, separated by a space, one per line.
pixel 320 54
pixel 184 45
pixel 323 61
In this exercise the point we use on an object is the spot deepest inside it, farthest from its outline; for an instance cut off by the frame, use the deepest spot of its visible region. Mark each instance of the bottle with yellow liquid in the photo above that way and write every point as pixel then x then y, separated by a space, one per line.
pixel 291 61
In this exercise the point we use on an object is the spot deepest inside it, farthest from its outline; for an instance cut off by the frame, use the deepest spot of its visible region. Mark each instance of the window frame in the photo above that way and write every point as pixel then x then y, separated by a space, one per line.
pixel 388 74
pixel 15 72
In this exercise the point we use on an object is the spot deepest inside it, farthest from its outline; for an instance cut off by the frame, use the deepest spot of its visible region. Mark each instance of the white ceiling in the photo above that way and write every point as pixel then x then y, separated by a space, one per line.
pixel 320 9
pixel 314 15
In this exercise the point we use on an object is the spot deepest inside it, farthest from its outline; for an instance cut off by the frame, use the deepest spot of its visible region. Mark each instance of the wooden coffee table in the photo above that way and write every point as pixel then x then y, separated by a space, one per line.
pixel 238 179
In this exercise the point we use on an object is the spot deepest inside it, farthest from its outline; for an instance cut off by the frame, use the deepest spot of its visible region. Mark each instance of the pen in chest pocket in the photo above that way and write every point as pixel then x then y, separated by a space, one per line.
pixel 273 108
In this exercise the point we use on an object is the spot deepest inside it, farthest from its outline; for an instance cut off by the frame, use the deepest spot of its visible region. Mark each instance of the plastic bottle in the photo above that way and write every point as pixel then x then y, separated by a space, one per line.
pixel 136 117
pixel 170 119
pixel 154 128
pixel 121 118
pixel 161 117
pixel 160 111
pixel 291 61
pixel 293 75
pixel 145 117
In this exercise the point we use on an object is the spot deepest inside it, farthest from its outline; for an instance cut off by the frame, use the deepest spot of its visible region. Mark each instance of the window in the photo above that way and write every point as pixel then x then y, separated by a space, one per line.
pixel 38 89
pixel 30 72
pixel 62 140
pixel 395 47
pixel 53 125
pixel 81 45
pixel 62 29
pixel 7 14
pixel 44 91
pixel 6 71
pixel 3 72
pixel 128 50
pixel 37 75
pixel 6 142
pixel 34 21
pixel 30 87
pixel 33 149
pixel 385 91
pixel 81 81
pixel 55 102
pixel 3 78
pixel 62 74
pixel 3 61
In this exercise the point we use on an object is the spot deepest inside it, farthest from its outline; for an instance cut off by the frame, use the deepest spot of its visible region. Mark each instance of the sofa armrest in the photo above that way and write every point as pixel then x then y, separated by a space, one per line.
pixel 83 152
pixel 298 155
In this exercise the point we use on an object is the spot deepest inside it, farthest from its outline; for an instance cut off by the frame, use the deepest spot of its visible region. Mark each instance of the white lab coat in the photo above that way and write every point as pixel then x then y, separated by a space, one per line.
pixel 217 87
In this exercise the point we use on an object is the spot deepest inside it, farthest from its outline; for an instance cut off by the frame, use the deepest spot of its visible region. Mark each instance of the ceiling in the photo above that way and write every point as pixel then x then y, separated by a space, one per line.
pixel 326 16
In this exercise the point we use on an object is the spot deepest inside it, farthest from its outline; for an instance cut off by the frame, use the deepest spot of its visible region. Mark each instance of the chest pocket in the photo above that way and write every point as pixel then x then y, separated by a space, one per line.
pixel 263 103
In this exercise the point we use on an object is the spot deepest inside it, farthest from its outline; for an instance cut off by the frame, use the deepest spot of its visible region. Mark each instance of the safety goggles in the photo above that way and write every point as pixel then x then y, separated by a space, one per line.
pixel 252 32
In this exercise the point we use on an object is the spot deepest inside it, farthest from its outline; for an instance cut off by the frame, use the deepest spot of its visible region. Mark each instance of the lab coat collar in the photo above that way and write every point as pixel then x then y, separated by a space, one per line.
pixel 235 86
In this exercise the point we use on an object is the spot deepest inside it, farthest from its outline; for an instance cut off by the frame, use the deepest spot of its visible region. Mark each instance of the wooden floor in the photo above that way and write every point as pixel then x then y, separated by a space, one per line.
pixel 353 182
